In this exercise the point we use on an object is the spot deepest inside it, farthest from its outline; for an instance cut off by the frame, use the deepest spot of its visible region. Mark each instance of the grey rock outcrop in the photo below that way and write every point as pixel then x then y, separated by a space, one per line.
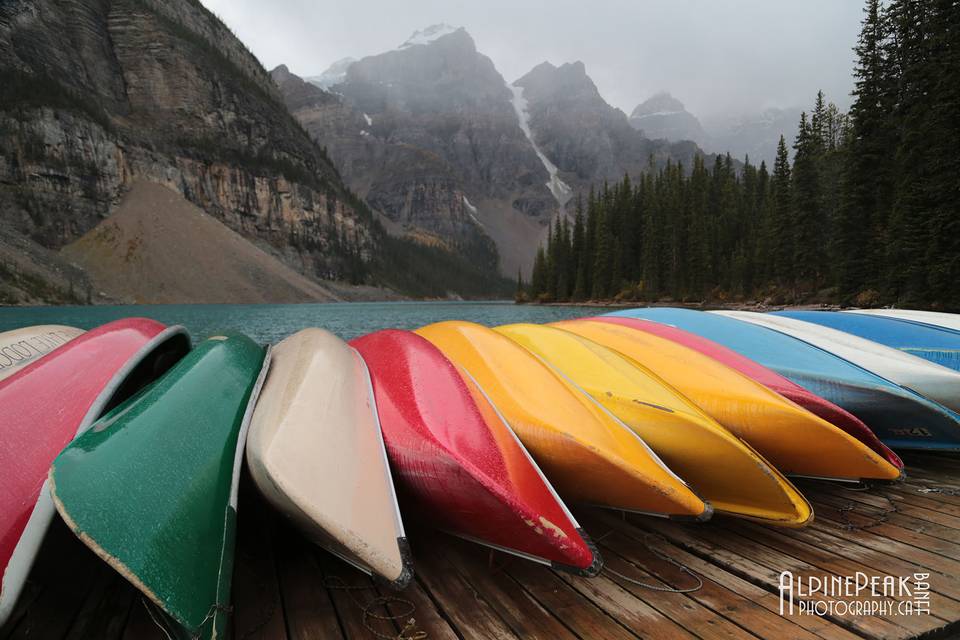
pixel 99 93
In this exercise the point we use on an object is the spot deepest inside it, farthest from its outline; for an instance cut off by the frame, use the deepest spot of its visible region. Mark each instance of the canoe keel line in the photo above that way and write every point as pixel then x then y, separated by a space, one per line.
pixel 316 453
pixel 597 565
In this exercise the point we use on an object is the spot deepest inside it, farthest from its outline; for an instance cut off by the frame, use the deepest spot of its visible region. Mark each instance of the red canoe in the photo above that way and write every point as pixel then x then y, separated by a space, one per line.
pixel 767 377
pixel 46 404
pixel 458 461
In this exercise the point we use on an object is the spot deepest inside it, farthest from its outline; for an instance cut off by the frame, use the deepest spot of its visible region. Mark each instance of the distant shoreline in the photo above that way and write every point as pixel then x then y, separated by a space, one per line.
pixel 734 306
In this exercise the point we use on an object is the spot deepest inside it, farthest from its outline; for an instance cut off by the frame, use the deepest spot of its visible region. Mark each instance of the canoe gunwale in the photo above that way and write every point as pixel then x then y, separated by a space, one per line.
pixel 398 518
pixel 406 557
pixel 588 572
pixel 25 551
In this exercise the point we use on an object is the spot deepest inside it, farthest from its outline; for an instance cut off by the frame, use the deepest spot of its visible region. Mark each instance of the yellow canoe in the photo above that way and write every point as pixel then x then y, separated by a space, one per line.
pixel 587 454
pixel 791 438
pixel 720 466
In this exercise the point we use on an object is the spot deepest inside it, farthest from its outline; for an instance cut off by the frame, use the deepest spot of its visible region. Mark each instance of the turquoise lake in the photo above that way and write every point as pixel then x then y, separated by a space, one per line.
pixel 270 323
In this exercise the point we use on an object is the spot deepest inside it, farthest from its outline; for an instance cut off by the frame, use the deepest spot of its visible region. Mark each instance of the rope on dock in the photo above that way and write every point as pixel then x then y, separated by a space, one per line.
pixel 409 630
pixel 662 556
pixel 944 491
pixel 878 519
pixel 153 609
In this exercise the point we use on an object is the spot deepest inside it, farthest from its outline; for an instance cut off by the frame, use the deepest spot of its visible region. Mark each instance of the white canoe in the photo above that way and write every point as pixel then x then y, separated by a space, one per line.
pixel 316 453
pixel 929 379
pixel 933 318
pixel 20 347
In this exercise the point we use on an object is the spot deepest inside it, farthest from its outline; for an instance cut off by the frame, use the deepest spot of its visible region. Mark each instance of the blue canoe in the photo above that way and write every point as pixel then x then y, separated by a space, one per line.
pixel 901 418
pixel 936 344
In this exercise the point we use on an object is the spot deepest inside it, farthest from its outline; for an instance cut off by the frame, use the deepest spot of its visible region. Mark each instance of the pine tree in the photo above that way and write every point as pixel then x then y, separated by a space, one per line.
pixel 538 278
pixel 943 162
pixel 578 255
pixel 602 258
pixel 808 256
pixel 781 223
pixel 867 178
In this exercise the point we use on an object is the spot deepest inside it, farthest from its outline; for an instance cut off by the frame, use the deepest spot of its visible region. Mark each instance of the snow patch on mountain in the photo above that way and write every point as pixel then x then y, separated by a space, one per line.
pixel 472 210
pixel 658 113
pixel 428 35
pixel 561 191
pixel 368 119
pixel 335 74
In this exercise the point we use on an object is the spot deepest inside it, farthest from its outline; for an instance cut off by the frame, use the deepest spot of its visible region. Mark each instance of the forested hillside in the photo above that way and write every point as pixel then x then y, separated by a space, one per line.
pixel 868 213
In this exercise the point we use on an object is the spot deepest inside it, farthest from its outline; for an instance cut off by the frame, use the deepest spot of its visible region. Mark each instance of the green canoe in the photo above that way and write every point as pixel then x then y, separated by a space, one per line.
pixel 151 487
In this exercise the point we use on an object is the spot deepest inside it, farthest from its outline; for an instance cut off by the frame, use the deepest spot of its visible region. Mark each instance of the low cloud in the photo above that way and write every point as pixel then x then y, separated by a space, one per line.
pixel 718 58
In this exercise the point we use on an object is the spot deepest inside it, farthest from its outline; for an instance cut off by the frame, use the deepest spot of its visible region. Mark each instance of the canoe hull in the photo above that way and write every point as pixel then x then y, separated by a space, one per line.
pixel 588 455
pixel 898 416
pixel 725 470
pixel 940 384
pixel 316 453
pixel 771 379
pixel 794 440
pixel 928 318
pixel 937 344
pixel 65 393
pixel 22 346
pixel 458 464
pixel 176 449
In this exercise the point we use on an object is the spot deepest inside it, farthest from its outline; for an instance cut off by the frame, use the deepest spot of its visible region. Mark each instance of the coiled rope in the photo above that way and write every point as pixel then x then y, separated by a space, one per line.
pixel 409 630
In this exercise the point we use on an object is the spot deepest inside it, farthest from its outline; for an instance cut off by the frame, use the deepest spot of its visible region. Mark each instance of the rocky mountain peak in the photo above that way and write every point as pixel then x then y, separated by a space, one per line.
pixel 281 73
pixel 659 103
pixel 334 74
pixel 547 81
pixel 664 117
pixel 296 92
pixel 433 33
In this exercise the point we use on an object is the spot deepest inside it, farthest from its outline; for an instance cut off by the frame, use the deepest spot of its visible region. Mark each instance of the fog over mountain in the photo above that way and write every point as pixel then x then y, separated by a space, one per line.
pixel 719 59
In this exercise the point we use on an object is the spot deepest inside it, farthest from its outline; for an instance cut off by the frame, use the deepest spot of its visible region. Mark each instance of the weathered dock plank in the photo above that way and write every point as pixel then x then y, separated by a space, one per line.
pixel 286 588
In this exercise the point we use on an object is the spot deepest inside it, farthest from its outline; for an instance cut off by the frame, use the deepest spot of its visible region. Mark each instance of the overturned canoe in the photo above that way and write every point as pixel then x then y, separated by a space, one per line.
pixel 929 318
pixel 939 345
pixel 588 454
pixel 22 346
pixel 151 488
pixel 459 464
pixel 901 418
pixel 769 378
pixel 791 438
pixel 46 404
pixel 721 467
pixel 938 383
pixel 315 451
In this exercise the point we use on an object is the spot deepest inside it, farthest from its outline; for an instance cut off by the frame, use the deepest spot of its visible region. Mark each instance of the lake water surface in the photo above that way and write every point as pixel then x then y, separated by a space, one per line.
pixel 270 323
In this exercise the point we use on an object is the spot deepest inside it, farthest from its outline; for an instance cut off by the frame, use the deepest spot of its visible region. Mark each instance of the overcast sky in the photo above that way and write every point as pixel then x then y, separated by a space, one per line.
pixel 717 57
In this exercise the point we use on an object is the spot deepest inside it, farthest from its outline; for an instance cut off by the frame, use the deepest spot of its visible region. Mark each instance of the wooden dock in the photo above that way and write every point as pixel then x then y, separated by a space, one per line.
pixel 284 587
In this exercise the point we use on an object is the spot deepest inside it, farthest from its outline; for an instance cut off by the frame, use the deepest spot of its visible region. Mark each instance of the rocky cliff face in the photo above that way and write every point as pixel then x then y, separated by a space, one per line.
pixel 416 192
pixel 664 117
pixel 589 140
pixel 98 93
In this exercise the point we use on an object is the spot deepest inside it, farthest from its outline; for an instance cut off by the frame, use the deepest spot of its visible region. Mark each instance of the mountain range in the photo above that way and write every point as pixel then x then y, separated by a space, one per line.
pixel 446 150
pixel 420 169
pixel 750 134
